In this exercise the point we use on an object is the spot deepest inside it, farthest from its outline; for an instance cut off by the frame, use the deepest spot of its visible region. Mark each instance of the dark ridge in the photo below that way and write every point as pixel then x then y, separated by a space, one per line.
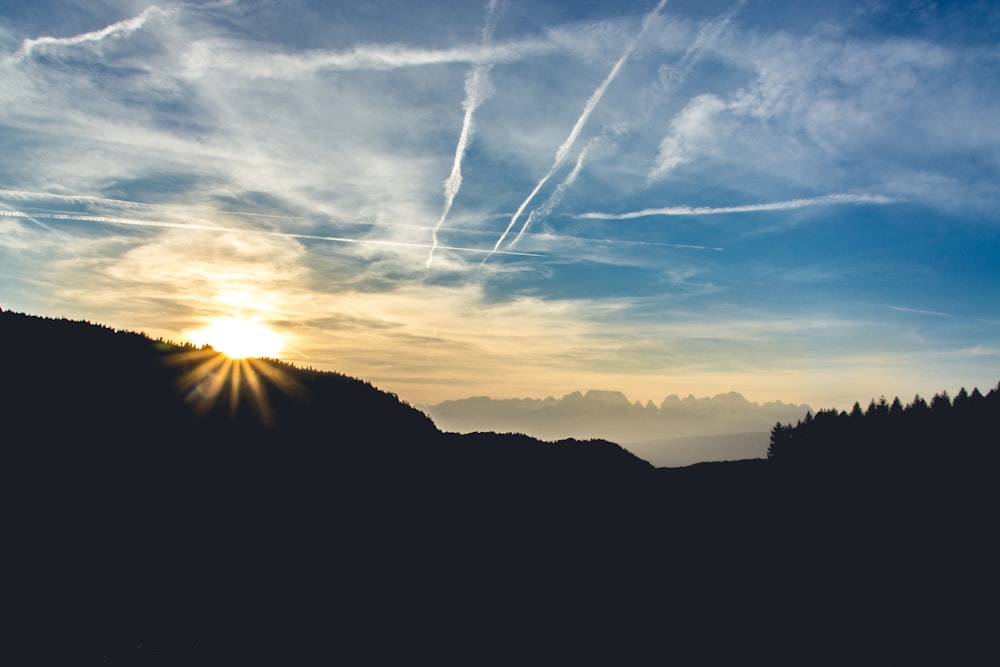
pixel 162 508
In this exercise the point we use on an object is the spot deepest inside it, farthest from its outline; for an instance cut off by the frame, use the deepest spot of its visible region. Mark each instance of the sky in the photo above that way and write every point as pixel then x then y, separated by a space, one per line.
pixel 520 198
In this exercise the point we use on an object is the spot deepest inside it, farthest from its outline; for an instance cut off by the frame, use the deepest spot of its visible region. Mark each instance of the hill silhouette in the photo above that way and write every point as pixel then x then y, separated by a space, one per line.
pixel 161 497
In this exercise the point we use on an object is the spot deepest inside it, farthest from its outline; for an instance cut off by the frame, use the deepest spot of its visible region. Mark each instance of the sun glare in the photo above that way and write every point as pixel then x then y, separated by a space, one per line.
pixel 238 338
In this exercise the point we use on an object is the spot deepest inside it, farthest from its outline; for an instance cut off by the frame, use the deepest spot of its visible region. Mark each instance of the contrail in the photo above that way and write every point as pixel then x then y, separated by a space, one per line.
pixel 588 108
pixel 556 196
pixel 12 213
pixel 825 200
pixel 211 228
pixel 78 199
pixel 672 76
pixel 652 244
pixel 933 313
pixel 124 27
pixel 668 78
pixel 477 89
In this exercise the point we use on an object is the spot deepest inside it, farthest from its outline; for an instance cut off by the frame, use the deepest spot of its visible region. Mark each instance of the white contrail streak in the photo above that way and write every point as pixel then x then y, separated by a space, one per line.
pixel 669 78
pixel 825 200
pixel 588 108
pixel 546 208
pixel 211 228
pixel 122 27
pixel 477 89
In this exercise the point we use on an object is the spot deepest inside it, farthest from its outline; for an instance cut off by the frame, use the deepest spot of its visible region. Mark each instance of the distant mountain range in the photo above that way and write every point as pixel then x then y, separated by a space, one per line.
pixel 679 431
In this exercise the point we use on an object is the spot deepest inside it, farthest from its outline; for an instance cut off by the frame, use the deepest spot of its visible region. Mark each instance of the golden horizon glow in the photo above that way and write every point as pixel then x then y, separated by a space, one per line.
pixel 240 338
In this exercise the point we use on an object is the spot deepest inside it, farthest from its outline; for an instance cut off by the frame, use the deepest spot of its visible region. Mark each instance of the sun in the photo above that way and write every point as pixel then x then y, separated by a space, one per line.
pixel 240 338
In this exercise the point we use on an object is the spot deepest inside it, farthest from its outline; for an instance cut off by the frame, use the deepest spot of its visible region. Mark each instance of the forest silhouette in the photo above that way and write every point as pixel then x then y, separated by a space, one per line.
pixel 166 505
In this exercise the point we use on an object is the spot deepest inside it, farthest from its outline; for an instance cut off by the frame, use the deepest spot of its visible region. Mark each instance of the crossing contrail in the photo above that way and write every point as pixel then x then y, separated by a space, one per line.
pixel 588 108
pixel 211 228
pixel 477 89
pixel 12 213
pixel 556 196
pixel 669 78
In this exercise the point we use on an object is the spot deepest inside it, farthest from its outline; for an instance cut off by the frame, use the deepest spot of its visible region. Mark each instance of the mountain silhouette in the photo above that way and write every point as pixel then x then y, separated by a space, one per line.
pixel 651 431
pixel 165 505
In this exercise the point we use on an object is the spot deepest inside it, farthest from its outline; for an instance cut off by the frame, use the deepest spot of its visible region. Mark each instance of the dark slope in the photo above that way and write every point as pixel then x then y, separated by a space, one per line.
pixel 145 502
pixel 74 377
pixel 338 525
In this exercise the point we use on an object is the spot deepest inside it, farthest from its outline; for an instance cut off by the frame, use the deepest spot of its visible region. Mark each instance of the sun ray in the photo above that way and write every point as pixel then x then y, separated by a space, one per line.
pixel 257 391
pixel 245 382
pixel 235 366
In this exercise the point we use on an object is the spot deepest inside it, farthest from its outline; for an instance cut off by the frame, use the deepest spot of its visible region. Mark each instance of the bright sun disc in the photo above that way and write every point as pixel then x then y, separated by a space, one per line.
pixel 240 338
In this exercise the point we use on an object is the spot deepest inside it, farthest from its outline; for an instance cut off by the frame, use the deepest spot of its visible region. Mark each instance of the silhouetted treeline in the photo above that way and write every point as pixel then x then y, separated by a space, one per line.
pixel 160 496
pixel 942 433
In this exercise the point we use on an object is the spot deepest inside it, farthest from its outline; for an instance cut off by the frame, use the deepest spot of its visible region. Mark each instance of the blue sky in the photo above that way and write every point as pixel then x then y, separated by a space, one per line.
pixel 796 201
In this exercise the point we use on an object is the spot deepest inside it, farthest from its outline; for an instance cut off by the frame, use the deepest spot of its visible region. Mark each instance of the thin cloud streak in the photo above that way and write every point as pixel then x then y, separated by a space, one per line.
pixel 211 228
pixel 931 313
pixel 651 244
pixel 125 27
pixel 220 54
pixel 477 89
pixel 825 200
pixel 26 195
pixel 588 108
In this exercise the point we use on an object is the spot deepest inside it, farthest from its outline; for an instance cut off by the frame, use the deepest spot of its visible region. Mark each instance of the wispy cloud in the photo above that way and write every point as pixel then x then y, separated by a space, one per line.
pixel 671 76
pixel 595 98
pixel 477 89
pixel 837 111
pixel 825 200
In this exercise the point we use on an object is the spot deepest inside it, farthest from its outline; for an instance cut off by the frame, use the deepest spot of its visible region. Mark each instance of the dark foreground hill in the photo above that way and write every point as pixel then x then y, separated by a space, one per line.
pixel 165 506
